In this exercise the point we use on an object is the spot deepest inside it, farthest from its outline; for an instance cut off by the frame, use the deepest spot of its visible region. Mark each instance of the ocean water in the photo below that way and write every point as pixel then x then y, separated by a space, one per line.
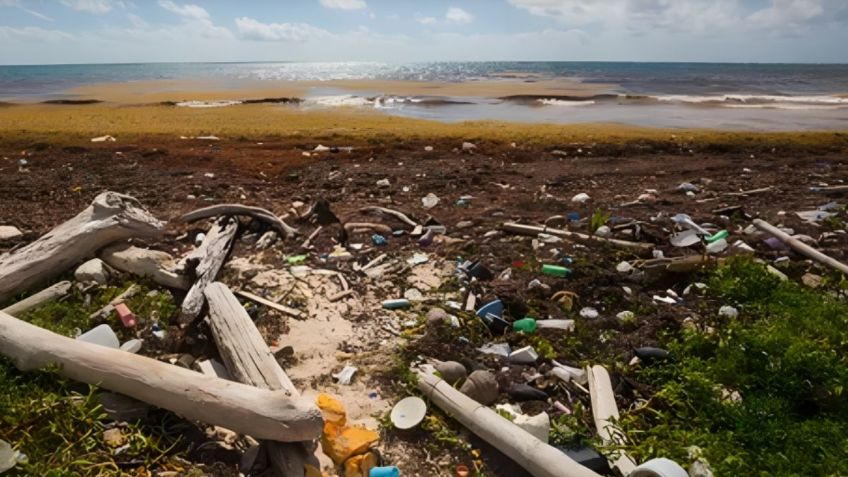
pixel 746 96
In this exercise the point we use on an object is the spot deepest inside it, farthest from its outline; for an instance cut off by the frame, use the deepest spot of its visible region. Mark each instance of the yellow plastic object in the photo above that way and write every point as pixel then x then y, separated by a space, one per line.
pixel 340 441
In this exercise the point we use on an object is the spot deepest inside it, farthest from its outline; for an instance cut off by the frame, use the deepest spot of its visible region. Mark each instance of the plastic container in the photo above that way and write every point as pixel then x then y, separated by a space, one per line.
pixel 718 236
pixel 101 335
pixel 390 471
pixel 525 325
pixel 555 271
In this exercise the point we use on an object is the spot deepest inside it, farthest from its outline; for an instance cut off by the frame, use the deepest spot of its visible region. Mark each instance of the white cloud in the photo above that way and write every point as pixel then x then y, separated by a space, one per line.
pixel 90 6
pixel 425 20
pixel 458 16
pixel 700 17
pixel 251 29
pixel 345 4
pixel 196 20
pixel 17 4
pixel 187 10
pixel 33 34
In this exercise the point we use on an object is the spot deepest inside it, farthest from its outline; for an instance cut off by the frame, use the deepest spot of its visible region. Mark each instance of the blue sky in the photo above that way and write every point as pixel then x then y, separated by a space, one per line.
pixel 105 31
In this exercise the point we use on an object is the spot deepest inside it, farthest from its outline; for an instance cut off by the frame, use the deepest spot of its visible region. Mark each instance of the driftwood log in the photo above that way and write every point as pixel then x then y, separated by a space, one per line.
pixel 531 230
pixel 262 413
pixel 270 304
pixel 47 295
pixel 605 412
pixel 257 213
pixel 209 258
pixel 110 217
pixel 145 263
pixel 250 361
pixel 800 246
pixel 538 458
pixel 384 211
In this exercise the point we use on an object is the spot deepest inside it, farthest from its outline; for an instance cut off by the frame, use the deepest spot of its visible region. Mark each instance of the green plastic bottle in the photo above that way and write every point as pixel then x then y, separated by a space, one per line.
pixel 555 271
pixel 525 325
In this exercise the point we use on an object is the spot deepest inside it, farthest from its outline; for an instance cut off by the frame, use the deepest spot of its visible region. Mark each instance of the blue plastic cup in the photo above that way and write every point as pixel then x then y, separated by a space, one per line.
pixel 391 471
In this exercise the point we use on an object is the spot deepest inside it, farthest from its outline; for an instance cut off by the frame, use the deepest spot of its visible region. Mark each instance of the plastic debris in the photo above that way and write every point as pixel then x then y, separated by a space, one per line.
pixel 728 311
pixel 589 313
pixel 555 271
pixel 396 304
pixel 101 335
pixel 125 315
pixel 581 198
pixel 525 355
pixel 345 376
pixel 339 440
pixel 429 201
pixel 408 412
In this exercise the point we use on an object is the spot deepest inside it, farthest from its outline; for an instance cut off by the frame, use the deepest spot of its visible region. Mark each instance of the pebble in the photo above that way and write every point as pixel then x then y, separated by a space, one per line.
pixel 728 311
pixel 451 371
pixel 7 232
pixel 92 271
pixel 465 224
pixel 581 198
pixel 589 313
pixel 482 387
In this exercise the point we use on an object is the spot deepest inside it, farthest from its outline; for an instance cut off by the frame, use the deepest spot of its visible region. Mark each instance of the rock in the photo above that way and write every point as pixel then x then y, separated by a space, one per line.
pixel 524 392
pixel 465 224
pixel 428 148
pixel 436 316
pixel 728 311
pixel 451 371
pixel 429 201
pixel 7 232
pixel 648 353
pixel 626 317
pixel 383 183
pixel 468 147
pixel 687 187
pixel 589 458
pixel 113 437
pixel 624 267
pixel 700 468
pixel 482 387
pixel 581 198
pixel 603 231
pixel 413 295
pixel 93 270
pixel 811 280
pixel 589 313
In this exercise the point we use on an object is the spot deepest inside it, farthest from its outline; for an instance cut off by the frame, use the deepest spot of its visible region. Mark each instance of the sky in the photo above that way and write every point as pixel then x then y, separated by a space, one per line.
pixel 129 31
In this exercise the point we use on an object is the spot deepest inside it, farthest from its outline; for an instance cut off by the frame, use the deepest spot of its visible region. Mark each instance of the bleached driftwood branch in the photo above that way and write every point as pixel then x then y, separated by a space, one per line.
pixel 237 209
pixel 209 258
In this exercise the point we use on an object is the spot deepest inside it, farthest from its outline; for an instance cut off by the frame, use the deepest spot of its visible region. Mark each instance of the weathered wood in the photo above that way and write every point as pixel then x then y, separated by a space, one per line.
pixel 800 246
pixel 538 458
pixel 350 227
pixel 110 217
pixel 143 262
pixel 209 257
pixel 262 413
pixel 308 242
pixel 257 213
pixel 250 361
pixel 749 192
pixel 534 230
pixel 605 411
pixel 110 307
pixel 270 304
pixel 399 215
pixel 47 295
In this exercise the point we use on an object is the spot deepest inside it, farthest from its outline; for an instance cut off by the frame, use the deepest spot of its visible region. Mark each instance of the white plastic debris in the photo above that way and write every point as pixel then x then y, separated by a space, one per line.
pixel 345 375
pixel 132 346
pixel 106 138
pixel 581 198
pixel 208 138
pixel 603 231
pixel 525 355
pixel 501 349
pixel 717 247
pixel 9 457
pixel 664 299
pixel 321 148
pixel 418 259
pixel 569 373
pixel 101 335
pixel 739 244
pixel 624 267
pixel 687 238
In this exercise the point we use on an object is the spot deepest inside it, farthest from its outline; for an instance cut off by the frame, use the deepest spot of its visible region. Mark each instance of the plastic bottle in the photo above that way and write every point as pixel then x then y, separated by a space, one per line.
pixel 555 271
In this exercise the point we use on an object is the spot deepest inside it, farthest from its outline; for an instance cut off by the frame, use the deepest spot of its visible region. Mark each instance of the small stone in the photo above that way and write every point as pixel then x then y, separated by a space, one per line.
pixel 451 371
pixel 728 311
pixel 413 294
pixel 113 437
pixel 428 148
pixel 811 280
pixel 7 232
pixel 436 316
pixel 624 267
pixel 92 271
pixel 429 201
pixel 626 317
pixel 581 198
pixel 468 146
pixel 465 224
pixel 482 387
pixel 603 231
pixel 589 313
pixel 383 183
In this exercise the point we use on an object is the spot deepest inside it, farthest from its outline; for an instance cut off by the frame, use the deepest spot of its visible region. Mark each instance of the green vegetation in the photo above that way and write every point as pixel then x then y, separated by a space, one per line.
pixel 760 394
pixel 59 424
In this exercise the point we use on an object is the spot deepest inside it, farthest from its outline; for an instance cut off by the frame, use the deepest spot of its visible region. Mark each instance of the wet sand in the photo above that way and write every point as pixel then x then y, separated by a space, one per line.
pixel 182 90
